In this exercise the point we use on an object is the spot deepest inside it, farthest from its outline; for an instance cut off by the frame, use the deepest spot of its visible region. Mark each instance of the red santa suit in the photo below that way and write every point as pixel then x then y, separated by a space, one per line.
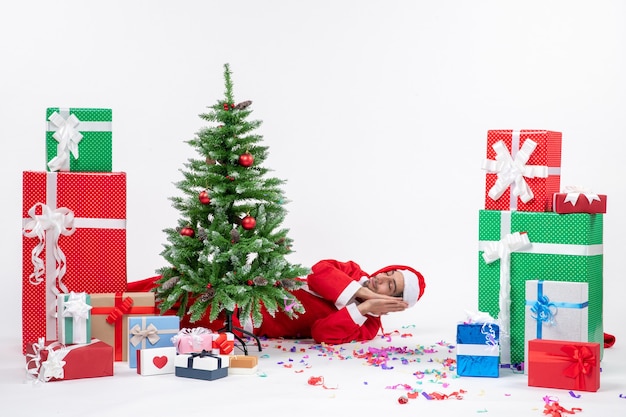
pixel 331 313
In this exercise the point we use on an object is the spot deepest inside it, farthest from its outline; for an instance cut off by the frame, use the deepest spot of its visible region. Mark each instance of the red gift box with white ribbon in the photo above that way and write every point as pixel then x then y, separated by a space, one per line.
pixel 579 200
pixel 74 239
pixel 523 169
pixel 48 361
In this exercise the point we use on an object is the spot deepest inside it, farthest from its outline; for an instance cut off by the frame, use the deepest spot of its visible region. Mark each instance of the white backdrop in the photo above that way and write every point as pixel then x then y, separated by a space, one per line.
pixel 375 113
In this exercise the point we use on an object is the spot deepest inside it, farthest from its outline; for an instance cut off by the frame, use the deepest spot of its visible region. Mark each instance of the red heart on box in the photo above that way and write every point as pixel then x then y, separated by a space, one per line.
pixel 159 361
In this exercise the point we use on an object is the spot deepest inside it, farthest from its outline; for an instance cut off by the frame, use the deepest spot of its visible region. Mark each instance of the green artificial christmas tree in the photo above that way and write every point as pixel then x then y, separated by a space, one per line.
pixel 229 251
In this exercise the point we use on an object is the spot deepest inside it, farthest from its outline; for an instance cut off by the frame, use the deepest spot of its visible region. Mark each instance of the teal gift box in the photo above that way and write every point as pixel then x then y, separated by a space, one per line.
pixel 74 318
pixel 79 139
pixel 560 247
pixel 148 332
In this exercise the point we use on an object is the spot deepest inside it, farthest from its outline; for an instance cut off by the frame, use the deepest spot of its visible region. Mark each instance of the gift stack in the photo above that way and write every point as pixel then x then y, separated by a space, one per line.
pixel 74 245
pixel 204 354
pixel 540 253
pixel 77 318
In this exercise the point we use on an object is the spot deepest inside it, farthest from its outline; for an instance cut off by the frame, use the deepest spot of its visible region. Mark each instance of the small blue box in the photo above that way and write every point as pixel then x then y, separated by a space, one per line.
pixel 147 332
pixel 478 350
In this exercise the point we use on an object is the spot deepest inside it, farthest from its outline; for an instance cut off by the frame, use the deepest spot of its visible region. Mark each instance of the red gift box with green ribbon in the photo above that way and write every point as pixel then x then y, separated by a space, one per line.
pixel 523 169
pixel 515 247
pixel 564 365
pixel 74 239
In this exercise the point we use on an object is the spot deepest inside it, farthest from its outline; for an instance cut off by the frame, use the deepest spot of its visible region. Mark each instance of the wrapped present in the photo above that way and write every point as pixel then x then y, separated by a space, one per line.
pixel 71 223
pixel 110 313
pixel 223 343
pixel 193 340
pixel 478 349
pixel 203 365
pixel 74 318
pixel 53 361
pixel 156 361
pixel 556 311
pixel 579 200
pixel 242 364
pixel 558 248
pixel 564 365
pixel 149 332
pixel 523 169
pixel 79 140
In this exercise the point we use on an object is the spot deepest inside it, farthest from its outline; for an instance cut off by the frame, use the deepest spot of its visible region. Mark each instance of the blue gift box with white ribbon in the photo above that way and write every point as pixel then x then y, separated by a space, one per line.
pixel 478 350
pixel 556 310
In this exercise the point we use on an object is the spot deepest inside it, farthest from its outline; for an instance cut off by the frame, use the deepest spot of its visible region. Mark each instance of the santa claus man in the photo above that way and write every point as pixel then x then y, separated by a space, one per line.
pixel 342 302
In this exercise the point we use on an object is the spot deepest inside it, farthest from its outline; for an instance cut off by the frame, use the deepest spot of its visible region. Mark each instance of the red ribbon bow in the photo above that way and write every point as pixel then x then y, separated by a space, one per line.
pixel 582 362
pixel 555 410
pixel 225 346
pixel 120 310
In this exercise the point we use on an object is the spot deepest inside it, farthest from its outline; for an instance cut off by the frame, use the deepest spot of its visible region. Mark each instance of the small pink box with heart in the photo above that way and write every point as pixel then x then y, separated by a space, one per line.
pixel 156 361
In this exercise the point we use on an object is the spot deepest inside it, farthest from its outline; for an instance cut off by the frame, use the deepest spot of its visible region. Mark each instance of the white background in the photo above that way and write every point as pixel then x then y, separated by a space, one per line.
pixel 375 112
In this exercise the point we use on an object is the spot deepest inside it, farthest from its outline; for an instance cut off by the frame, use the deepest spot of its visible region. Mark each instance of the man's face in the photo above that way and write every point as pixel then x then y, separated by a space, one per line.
pixel 387 283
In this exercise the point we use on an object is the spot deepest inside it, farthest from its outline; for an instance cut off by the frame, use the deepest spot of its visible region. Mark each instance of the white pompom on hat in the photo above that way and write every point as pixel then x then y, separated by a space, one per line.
pixel 414 283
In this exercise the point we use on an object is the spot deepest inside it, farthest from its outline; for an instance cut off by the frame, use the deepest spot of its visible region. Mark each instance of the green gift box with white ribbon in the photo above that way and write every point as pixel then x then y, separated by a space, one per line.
pixel 79 139
pixel 515 247
pixel 74 318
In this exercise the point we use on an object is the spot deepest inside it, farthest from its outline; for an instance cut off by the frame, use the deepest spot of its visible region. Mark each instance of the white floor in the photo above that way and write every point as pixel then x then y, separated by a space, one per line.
pixel 347 381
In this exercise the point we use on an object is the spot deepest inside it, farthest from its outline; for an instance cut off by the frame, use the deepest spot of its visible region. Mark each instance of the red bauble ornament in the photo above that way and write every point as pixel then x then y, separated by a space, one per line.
pixel 209 286
pixel 204 197
pixel 250 282
pixel 246 159
pixel 248 222
pixel 187 231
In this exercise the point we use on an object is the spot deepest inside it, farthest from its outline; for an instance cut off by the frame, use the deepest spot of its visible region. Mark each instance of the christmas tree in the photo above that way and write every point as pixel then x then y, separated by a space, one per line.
pixel 229 250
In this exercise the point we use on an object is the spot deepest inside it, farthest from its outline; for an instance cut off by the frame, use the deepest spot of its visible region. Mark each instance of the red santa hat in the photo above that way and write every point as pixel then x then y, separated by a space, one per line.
pixel 414 283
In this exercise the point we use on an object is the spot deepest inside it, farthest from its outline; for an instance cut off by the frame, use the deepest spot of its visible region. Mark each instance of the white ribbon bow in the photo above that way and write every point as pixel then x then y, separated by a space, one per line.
pixel 479 317
pixel 52 367
pixel 573 192
pixel 501 249
pixel 151 333
pixel 512 171
pixel 76 307
pixel 196 336
pixel 67 137
pixel 56 223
